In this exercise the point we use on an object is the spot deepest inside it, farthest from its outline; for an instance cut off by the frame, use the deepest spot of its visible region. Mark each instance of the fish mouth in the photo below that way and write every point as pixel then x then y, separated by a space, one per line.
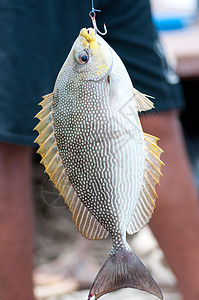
pixel 89 34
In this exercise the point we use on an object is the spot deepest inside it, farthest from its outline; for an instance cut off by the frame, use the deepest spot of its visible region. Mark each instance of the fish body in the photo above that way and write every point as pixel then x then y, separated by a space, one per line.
pixel 97 155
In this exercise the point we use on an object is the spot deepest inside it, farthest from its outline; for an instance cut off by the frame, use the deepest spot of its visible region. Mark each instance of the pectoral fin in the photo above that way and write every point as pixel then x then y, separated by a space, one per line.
pixel 142 102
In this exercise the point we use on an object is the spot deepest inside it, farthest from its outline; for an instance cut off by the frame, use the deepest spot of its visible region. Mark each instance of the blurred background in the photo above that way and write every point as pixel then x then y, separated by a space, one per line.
pixel 61 258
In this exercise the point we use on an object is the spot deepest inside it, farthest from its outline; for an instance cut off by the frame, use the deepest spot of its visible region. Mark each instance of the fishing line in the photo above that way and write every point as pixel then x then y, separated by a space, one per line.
pixel 93 9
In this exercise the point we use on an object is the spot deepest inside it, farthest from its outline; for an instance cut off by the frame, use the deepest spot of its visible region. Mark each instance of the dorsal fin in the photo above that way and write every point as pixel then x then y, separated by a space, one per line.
pixel 146 202
pixel 85 222
pixel 142 102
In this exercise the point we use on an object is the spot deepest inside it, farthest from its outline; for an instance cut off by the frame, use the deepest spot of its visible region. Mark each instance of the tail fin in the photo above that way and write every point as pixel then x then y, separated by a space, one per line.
pixel 123 269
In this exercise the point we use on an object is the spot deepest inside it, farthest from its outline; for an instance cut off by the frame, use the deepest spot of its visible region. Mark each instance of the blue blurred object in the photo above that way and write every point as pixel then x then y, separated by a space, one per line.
pixel 172 22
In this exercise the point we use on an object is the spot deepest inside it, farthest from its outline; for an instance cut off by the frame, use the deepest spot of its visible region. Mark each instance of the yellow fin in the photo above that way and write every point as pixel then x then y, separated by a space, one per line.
pixel 147 198
pixel 142 102
pixel 85 222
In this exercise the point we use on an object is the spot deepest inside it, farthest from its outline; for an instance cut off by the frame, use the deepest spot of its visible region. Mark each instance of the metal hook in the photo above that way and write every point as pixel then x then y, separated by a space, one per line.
pixel 92 15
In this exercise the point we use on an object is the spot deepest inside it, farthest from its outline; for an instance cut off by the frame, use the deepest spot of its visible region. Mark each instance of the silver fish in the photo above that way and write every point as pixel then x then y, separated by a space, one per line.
pixel 95 152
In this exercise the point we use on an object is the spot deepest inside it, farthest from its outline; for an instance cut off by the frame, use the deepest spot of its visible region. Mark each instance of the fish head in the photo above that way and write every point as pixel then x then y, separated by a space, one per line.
pixel 92 56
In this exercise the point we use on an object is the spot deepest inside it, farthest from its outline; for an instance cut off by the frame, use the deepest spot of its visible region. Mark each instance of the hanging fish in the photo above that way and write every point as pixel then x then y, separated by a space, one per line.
pixel 95 152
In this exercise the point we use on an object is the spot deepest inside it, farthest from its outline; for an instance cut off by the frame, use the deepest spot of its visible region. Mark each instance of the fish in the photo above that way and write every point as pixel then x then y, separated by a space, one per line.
pixel 95 152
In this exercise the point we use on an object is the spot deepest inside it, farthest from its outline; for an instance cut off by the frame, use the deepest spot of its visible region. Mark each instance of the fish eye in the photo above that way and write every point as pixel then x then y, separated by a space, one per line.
pixel 82 57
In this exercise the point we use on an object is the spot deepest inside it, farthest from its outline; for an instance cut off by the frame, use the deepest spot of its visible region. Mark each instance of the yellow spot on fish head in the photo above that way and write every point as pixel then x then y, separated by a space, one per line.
pixel 101 69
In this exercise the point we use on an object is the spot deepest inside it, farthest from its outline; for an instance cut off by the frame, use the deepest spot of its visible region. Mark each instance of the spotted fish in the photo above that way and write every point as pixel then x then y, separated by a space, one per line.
pixel 95 152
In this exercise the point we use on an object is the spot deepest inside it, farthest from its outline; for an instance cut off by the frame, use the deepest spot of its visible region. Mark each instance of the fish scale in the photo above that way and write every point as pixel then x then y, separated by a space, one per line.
pixel 104 166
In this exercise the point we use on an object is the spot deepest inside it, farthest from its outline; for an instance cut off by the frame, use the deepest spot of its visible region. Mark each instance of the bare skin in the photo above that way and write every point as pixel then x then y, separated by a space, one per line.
pixel 176 220
pixel 16 222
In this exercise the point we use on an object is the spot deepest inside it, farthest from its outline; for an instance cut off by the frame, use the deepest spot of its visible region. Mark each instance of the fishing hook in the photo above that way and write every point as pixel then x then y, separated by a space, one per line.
pixel 92 15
